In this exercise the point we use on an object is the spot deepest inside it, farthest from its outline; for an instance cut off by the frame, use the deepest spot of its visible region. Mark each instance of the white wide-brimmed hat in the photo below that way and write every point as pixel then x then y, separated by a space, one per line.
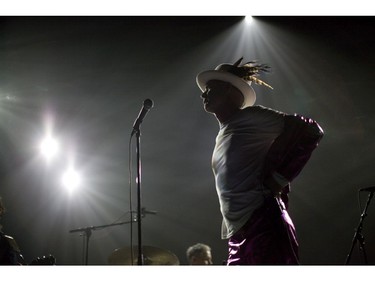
pixel 239 77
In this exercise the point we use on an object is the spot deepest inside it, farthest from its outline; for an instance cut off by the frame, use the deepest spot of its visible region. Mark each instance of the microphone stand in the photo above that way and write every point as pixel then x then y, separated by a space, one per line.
pixel 88 231
pixel 358 237
pixel 139 207
pixel 147 105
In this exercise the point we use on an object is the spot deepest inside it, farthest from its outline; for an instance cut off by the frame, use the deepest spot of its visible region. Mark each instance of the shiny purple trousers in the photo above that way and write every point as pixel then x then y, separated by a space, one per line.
pixel 268 238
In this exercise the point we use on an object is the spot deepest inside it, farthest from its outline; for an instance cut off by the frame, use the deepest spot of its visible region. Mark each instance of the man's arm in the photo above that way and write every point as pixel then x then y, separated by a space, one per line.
pixel 291 151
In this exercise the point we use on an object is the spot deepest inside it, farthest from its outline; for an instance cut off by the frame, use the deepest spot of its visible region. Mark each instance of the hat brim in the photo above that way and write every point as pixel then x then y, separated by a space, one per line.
pixel 245 88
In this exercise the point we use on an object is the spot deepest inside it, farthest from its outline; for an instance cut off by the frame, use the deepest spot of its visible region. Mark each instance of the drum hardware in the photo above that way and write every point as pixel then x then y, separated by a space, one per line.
pixel 45 260
pixel 87 231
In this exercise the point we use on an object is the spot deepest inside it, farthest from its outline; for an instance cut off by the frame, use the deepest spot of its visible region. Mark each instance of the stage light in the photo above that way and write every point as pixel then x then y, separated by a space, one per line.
pixel 49 147
pixel 71 179
pixel 249 20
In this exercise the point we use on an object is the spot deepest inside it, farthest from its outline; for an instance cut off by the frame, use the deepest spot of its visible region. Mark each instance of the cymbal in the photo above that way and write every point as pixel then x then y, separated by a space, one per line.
pixel 151 256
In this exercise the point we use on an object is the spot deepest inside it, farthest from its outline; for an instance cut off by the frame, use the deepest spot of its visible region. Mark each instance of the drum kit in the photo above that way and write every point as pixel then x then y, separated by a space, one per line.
pixel 152 256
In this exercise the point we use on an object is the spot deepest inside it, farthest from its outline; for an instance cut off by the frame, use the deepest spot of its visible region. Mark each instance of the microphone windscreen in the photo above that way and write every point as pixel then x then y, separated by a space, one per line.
pixel 148 104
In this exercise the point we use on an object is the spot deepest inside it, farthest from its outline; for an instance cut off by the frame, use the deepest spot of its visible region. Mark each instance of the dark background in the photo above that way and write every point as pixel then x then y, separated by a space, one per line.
pixel 88 77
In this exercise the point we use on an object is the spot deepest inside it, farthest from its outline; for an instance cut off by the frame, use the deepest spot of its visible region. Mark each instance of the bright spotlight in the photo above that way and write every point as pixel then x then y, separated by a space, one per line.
pixel 71 179
pixel 248 19
pixel 49 147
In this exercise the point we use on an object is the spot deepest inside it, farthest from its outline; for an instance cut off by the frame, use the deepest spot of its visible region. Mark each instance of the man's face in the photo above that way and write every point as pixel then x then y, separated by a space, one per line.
pixel 203 259
pixel 218 96
pixel 215 96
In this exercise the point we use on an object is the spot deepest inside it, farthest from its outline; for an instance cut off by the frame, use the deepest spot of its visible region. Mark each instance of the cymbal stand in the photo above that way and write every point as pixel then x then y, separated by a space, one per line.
pixel 358 237
pixel 87 231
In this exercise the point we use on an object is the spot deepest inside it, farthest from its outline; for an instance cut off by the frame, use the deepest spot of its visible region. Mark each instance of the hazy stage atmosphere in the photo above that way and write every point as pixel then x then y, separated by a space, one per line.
pixel 82 81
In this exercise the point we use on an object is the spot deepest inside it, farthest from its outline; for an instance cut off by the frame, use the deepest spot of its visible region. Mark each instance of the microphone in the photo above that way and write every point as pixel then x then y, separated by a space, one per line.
pixel 369 189
pixel 147 105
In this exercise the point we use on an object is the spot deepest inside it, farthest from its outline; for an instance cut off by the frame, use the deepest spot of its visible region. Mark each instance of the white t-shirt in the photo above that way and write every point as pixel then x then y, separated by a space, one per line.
pixel 238 161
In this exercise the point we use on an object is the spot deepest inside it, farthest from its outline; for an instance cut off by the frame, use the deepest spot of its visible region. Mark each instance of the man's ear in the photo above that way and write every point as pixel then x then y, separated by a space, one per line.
pixel 237 97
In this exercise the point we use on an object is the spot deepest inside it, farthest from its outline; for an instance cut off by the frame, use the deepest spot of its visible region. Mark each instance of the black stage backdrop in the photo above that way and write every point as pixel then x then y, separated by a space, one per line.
pixel 84 80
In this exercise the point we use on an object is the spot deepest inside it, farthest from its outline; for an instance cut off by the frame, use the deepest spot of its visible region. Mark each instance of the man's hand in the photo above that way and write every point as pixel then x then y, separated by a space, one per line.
pixel 274 186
